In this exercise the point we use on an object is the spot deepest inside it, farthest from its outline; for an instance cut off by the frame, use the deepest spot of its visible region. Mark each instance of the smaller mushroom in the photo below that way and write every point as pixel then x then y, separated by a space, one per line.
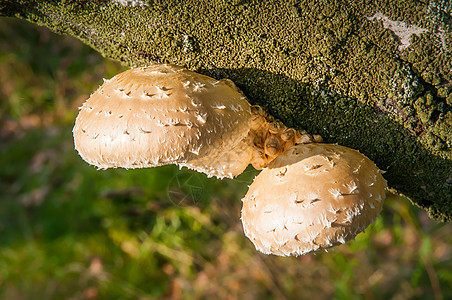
pixel 310 198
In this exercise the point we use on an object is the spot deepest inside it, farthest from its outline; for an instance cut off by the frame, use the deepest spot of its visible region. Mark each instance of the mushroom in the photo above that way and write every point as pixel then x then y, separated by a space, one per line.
pixel 310 198
pixel 165 114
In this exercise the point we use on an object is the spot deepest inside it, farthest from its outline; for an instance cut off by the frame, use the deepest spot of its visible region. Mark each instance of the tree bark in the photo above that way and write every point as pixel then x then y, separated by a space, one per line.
pixel 371 75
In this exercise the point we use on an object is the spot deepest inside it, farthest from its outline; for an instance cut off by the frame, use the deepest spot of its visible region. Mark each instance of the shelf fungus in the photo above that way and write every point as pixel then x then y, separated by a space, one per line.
pixel 165 114
pixel 310 198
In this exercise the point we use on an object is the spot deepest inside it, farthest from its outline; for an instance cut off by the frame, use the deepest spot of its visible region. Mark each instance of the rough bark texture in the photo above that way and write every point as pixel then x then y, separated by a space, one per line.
pixel 371 75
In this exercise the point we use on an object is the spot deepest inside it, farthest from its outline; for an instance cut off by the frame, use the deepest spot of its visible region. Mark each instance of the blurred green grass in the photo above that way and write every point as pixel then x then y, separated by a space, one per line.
pixel 69 231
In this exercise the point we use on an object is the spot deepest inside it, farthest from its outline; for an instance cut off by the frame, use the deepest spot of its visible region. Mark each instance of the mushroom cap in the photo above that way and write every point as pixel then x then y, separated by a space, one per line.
pixel 165 114
pixel 312 197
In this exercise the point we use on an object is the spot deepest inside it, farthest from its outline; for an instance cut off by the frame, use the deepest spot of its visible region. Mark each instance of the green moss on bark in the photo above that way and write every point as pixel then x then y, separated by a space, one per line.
pixel 320 65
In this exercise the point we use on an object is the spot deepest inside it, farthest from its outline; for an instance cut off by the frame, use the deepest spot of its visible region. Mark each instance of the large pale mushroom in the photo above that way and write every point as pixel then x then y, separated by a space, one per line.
pixel 165 114
pixel 312 197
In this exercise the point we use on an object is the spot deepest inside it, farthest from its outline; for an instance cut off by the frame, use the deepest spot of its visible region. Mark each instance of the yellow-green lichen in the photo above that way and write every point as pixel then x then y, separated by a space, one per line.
pixel 320 65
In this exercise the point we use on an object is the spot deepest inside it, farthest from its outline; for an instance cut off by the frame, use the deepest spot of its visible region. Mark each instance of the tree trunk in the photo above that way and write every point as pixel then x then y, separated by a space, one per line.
pixel 373 76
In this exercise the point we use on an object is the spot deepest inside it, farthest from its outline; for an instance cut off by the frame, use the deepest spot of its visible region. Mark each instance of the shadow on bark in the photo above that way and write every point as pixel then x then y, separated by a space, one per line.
pixel 410 169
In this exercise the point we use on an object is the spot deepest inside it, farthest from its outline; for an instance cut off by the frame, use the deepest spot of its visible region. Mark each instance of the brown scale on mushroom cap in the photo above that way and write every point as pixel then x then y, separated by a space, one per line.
pixel 165 114
pixel 312 197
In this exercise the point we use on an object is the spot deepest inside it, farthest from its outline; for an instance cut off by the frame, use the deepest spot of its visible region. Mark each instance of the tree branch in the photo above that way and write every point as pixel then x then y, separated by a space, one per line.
pixel 346 70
